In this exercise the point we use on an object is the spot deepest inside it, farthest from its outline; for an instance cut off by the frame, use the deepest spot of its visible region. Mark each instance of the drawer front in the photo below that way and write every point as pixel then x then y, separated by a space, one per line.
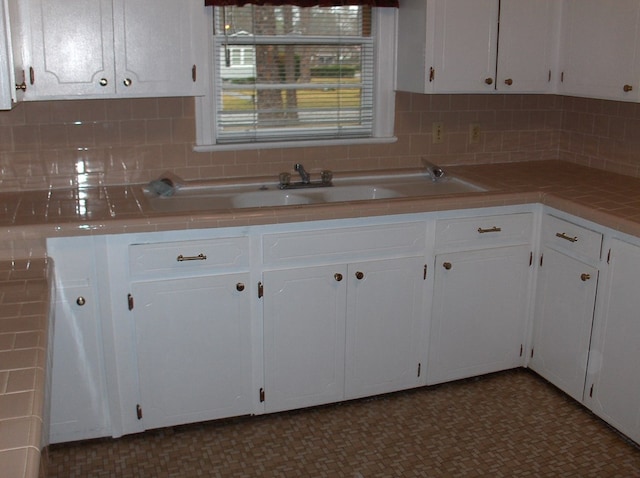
pixel 484 231
pixel 567 236
pixel 169 257
pixel 345 244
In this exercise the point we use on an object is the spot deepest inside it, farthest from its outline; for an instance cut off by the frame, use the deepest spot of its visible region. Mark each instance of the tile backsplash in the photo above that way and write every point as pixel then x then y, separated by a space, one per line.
pixel 56 144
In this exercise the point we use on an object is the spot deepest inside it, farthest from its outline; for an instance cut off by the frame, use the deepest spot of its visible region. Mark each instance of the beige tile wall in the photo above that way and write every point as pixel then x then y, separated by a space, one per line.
pixel 57 144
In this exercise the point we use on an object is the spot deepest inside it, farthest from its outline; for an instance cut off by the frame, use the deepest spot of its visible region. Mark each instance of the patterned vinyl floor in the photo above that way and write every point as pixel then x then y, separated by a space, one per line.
pixel 510 424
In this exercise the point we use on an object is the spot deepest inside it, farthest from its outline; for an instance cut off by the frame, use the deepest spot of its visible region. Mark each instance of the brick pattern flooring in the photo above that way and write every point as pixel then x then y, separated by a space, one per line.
pixel 502 425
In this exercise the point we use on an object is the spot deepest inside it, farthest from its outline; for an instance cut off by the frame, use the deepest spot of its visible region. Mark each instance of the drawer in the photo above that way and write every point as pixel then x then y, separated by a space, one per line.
pixel 211 254
pixel 484 231
pixel 567 236
pixel 345 244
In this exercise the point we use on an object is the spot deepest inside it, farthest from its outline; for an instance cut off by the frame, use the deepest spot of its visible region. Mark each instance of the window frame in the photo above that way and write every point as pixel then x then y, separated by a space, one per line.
pixel 384 22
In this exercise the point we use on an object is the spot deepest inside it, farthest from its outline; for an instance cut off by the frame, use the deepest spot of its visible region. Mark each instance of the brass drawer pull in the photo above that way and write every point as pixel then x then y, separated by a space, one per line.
pixel 491 229
pixel 585 277
pixel 562 235
pixel 447 265
pixel 199 257
pixel 239 286
pixel 337 276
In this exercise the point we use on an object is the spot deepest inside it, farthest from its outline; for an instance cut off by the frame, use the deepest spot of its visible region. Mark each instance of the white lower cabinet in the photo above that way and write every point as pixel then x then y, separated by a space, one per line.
pixel 193 348
pixel 304 336
pixel 565 300
pixel 479 312
pixel 79 408
pixel 481 295
pixel 613 380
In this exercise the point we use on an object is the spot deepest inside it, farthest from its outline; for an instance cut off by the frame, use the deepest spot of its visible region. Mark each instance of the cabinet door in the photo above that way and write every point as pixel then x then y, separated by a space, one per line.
pixel 384 326
pixel 528 36
pixel 599 48
pixel 562 326
pixel 479 311
pixel 71 48
pixel 193 348
pixel 304 342
pixel 157 44
pixel 613 380
pixel 465 45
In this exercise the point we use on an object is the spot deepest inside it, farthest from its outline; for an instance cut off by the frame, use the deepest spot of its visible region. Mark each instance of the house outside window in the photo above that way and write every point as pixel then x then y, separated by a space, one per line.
pixel 287 75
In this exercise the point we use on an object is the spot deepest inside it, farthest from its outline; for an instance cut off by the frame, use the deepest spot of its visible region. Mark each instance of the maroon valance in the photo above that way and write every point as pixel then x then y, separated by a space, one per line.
pixel 302 3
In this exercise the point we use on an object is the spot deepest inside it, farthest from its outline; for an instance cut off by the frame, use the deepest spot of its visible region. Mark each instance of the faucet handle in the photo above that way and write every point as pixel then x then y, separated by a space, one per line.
pixel 326 176
pixel 285 179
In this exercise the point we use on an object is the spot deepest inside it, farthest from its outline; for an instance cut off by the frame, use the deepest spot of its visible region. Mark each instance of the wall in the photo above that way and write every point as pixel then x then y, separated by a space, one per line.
pixel 58 144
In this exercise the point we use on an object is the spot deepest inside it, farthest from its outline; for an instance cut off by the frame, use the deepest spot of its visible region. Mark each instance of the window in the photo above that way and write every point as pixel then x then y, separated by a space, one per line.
pixel 288 75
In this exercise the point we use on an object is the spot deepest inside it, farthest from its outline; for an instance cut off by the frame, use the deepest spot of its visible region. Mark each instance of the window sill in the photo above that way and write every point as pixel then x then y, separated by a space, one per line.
pixel 292 144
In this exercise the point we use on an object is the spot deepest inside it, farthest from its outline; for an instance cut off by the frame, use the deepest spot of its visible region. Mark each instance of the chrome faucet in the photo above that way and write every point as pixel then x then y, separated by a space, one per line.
pixel 436 172
pixel 306 179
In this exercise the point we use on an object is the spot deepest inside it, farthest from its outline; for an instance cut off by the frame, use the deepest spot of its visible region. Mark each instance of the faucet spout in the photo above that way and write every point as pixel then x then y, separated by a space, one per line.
pixel 304 176
pixel 436 172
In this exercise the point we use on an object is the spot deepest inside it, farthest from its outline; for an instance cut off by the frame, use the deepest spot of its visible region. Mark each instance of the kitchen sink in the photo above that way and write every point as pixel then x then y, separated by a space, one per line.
pixel 202 196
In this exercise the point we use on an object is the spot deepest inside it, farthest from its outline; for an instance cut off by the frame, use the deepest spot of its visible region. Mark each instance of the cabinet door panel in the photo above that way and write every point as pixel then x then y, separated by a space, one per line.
pixel 599 48
pixel 465 44
pixel 563 319
pixel 384 326
pixel 72 47
pixel 304 343
pixel 193 348
pixel 154 46
pixel 78 390
pixel 526 45
pixel 613 382
pixel 479 310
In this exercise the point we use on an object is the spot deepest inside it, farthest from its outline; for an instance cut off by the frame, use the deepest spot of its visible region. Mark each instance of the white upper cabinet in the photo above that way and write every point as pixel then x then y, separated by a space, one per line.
pixel 107 48
pixel 476 46
pixel 599 55
pixel 11 73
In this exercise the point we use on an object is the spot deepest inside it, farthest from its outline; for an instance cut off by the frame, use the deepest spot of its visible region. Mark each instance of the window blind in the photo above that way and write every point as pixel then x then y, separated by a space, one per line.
pixel 293 73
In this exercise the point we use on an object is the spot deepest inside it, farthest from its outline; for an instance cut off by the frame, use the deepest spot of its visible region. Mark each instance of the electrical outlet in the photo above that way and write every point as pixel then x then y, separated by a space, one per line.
pixel 437 132
pixel 474 133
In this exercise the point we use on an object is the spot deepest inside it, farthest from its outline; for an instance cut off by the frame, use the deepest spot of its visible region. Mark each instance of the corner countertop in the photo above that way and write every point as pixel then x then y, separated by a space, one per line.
pixel 609 199
pixel 25 298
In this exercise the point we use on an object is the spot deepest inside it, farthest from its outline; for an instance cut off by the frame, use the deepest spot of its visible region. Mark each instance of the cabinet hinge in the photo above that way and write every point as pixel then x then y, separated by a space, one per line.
pixel 130 301
pixel 541 258
pixel 591 391
pixel 531 352
pixel 432 74
pixel 194 70
pixel 419 368
pixel 562 77
pixel 139 411
pixel 609 257
pixel 424 275
pixel 32 75
pixel 261 395
pixel 530 258
pixel 260 290
pixel 549 80
pixel 521 350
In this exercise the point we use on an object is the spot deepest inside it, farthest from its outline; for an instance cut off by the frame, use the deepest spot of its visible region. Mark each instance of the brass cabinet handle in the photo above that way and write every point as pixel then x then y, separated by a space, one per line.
pixel 199 257
pixel 508 82
pixel 21 86
pixel 127 82
pixel 491 229
pixel 81 301
pixel 562 235
pixel 239 286
pixel 447 265
pixel 103 82
pixel 337 276
pixel 359 275
pixel 489 81
pixel 585 277
pixel 627 88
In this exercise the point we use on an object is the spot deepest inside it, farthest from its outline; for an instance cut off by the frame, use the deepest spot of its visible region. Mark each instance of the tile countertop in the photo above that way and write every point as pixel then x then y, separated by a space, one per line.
pixel 607 198
pixel 25 299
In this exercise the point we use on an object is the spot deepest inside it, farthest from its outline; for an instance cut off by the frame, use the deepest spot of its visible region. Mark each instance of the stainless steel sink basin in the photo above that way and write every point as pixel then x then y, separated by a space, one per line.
pixel 202 197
